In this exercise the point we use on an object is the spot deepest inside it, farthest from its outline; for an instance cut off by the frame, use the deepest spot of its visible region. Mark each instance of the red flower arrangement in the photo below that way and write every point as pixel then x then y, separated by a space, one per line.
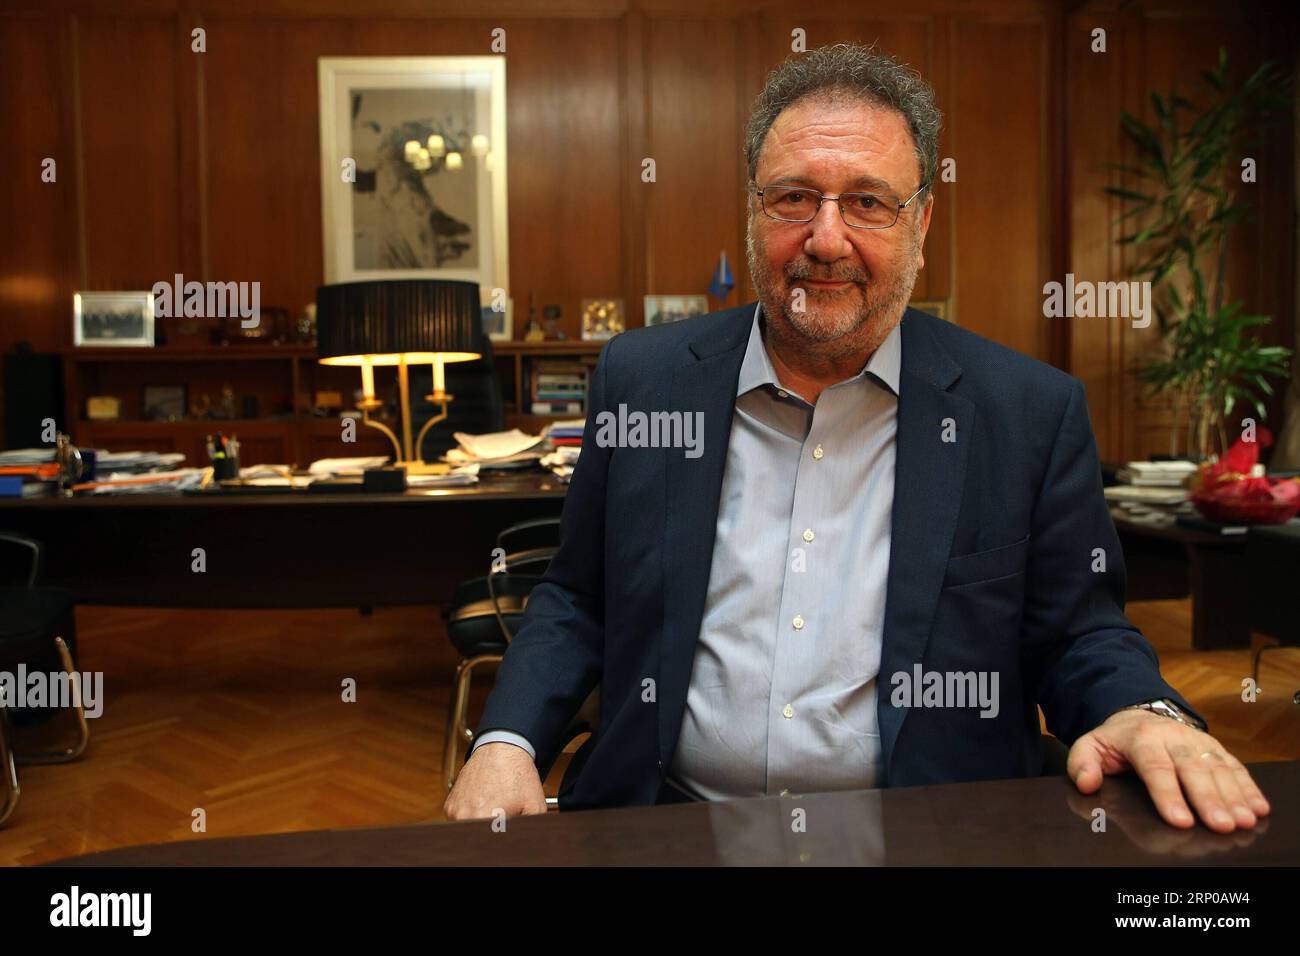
pixel 1233 491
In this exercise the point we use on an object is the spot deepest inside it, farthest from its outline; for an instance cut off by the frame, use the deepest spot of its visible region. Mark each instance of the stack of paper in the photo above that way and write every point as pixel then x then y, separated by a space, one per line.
pixel 1156 474
pixel 507 449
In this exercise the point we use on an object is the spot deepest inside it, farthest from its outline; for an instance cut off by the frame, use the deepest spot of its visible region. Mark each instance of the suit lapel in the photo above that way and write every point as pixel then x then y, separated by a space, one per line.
pixel 929 475
pixel 706 383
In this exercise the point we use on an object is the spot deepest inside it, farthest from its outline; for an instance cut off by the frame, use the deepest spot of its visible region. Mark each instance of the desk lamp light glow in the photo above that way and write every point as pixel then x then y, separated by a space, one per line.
pixel 405 322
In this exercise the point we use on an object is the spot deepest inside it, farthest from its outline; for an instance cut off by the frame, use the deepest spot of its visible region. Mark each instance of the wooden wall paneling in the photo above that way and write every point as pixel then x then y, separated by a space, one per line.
pixel 38 249
pixel 569 170
pixel 262 147
pixel 634 145
pixel 998 126
pixel 128 76
pixel 695 136
pixel 1091 141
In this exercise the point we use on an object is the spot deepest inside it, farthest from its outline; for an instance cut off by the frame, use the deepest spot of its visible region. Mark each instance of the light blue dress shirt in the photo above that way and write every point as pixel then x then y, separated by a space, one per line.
pixel 782 696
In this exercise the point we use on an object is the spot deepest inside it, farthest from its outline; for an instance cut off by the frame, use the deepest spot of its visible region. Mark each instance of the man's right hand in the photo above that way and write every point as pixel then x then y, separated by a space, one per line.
pixel 497 777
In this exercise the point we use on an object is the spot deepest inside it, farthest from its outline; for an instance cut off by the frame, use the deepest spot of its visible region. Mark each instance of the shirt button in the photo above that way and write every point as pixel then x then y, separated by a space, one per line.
pixel 783 393
pixel 808 534
pixel 787 711
pixel 817 452
pixel 798 622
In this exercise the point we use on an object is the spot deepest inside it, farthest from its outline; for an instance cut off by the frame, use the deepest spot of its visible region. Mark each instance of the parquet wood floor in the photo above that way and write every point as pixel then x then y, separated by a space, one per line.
pixel 241 714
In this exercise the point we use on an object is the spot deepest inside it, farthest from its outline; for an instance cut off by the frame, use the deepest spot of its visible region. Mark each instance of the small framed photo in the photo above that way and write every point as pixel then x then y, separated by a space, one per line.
pixel 601 319
pixel 936 307
pixel 112 319
pixel 499 326
pixel 165 403
pixel 662 309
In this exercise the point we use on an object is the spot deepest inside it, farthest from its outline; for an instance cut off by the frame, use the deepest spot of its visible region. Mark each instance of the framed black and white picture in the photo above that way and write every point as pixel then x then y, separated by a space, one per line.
pixel 413 168
pixel 112 319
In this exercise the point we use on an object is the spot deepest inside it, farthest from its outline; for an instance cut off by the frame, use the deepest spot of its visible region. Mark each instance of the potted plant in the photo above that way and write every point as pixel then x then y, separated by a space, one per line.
pixel 1184 205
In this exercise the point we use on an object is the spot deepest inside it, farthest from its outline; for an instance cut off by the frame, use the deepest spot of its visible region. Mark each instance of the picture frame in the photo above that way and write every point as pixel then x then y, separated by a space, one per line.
pixel 663 309
pixel 602 319
pixel 165 403
pixel 936 307
pixel 498 326
pixel 112 319
pixel 389 213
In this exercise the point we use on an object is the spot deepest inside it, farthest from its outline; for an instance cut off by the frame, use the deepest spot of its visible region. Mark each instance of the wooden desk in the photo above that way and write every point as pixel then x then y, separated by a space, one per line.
pixel 1038 821
pixel 277 550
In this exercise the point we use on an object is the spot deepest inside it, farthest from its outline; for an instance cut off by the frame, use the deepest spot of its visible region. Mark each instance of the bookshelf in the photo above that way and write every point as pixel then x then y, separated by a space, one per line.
pixel 281 379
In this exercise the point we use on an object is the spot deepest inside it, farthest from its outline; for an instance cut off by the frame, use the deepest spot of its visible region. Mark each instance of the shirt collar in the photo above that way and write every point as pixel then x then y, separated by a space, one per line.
pixel 756 367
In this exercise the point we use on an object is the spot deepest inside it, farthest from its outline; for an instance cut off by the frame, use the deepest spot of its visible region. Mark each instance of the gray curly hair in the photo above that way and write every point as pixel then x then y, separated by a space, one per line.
pixel 852 70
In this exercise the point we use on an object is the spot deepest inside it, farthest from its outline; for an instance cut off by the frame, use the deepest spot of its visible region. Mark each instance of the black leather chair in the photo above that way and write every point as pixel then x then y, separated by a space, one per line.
pixel 37 629
pixel 477 406
pixel 1055 754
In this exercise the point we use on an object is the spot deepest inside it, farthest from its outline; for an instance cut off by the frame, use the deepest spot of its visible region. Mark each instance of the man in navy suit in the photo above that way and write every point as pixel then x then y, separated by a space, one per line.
pixel 825 541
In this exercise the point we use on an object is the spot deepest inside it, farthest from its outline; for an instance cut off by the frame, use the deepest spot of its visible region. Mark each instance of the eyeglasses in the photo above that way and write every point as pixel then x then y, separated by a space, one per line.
pixel 859 210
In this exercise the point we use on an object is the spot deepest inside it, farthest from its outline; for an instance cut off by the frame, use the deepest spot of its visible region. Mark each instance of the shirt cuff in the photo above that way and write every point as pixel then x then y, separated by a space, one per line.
pixel 505 737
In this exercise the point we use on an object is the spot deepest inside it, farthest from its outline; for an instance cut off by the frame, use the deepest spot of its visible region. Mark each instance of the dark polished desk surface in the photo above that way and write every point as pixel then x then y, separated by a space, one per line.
pixel 521 485
pixel 281 550
pixel 1041 821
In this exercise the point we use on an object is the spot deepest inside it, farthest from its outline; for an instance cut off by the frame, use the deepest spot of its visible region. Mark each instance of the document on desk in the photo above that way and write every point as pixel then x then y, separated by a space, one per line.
pixel 457 477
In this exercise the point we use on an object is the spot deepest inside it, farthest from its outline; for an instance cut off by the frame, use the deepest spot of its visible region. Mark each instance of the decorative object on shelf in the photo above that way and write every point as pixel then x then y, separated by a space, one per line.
pixel 306 325
pixel 113 319
pixel 270 328
pixel 533 332
pixel 71 466
pixel 662 309
pixel 936 307
pixel 402 323
pixel 413 168
pixel 551 320
pixel 722 283
pixel 601 319
pixel 327 402
pixel 164 403
pixel 200 405
pixel 499 325
pixel 1235 491
pixel 103 408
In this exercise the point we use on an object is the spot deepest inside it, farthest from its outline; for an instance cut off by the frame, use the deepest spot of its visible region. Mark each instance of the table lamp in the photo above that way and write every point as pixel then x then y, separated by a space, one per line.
pixel 400 322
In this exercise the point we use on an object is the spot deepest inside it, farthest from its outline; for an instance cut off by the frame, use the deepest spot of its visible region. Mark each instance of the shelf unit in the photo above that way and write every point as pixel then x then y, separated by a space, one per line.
pixel 283 379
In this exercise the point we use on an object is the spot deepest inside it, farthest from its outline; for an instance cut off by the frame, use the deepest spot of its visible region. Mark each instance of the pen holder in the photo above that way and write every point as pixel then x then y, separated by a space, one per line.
pixel 225 469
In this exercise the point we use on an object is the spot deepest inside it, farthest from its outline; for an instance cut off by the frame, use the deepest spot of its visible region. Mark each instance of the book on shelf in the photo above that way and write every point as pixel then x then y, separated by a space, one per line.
pixel 557 408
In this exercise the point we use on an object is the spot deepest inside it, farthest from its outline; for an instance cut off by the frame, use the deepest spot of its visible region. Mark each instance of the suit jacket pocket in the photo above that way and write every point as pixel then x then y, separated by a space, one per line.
pixel 986 565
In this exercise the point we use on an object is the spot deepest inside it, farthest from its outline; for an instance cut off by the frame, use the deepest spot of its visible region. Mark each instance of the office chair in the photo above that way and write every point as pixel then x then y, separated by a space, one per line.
pixel 477 406
pixel 484 615
pixel 1055 756
pixel 37 625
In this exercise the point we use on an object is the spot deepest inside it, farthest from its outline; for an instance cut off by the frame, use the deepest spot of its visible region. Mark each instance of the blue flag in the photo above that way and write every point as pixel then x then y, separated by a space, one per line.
pixel 722 283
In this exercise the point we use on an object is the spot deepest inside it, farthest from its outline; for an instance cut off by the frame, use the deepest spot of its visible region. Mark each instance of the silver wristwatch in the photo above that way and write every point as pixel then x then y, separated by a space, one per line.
pixel 1167 708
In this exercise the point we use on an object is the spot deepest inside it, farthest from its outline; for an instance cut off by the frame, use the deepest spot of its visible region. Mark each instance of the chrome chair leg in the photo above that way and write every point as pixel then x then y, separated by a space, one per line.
pixel 83 729
pixel 1259 688
pixel 8 771
pixel 458 729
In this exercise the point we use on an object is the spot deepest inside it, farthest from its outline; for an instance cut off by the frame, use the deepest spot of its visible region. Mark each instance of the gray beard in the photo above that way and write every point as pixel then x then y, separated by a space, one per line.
pixel 883 303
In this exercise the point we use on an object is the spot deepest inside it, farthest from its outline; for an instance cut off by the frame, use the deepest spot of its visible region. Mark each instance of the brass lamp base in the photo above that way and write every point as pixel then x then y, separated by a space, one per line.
pixel 424 467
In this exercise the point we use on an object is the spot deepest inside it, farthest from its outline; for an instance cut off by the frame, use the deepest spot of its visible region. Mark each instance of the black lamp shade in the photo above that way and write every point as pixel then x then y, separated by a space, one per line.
pixel 398 317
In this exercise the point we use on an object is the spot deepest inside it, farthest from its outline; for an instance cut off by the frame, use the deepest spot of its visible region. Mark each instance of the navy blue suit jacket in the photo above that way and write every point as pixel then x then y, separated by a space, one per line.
pixel 991 565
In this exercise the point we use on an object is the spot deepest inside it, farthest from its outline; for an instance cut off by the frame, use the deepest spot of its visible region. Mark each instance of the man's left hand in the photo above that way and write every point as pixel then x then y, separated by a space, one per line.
pixel 1172 759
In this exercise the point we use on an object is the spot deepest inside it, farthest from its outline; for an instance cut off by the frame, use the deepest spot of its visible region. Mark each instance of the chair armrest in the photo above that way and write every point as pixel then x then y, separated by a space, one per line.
pixel 23 541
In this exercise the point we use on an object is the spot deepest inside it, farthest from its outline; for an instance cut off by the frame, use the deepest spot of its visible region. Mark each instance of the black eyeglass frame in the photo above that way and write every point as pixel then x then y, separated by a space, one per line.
pixel 839 201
